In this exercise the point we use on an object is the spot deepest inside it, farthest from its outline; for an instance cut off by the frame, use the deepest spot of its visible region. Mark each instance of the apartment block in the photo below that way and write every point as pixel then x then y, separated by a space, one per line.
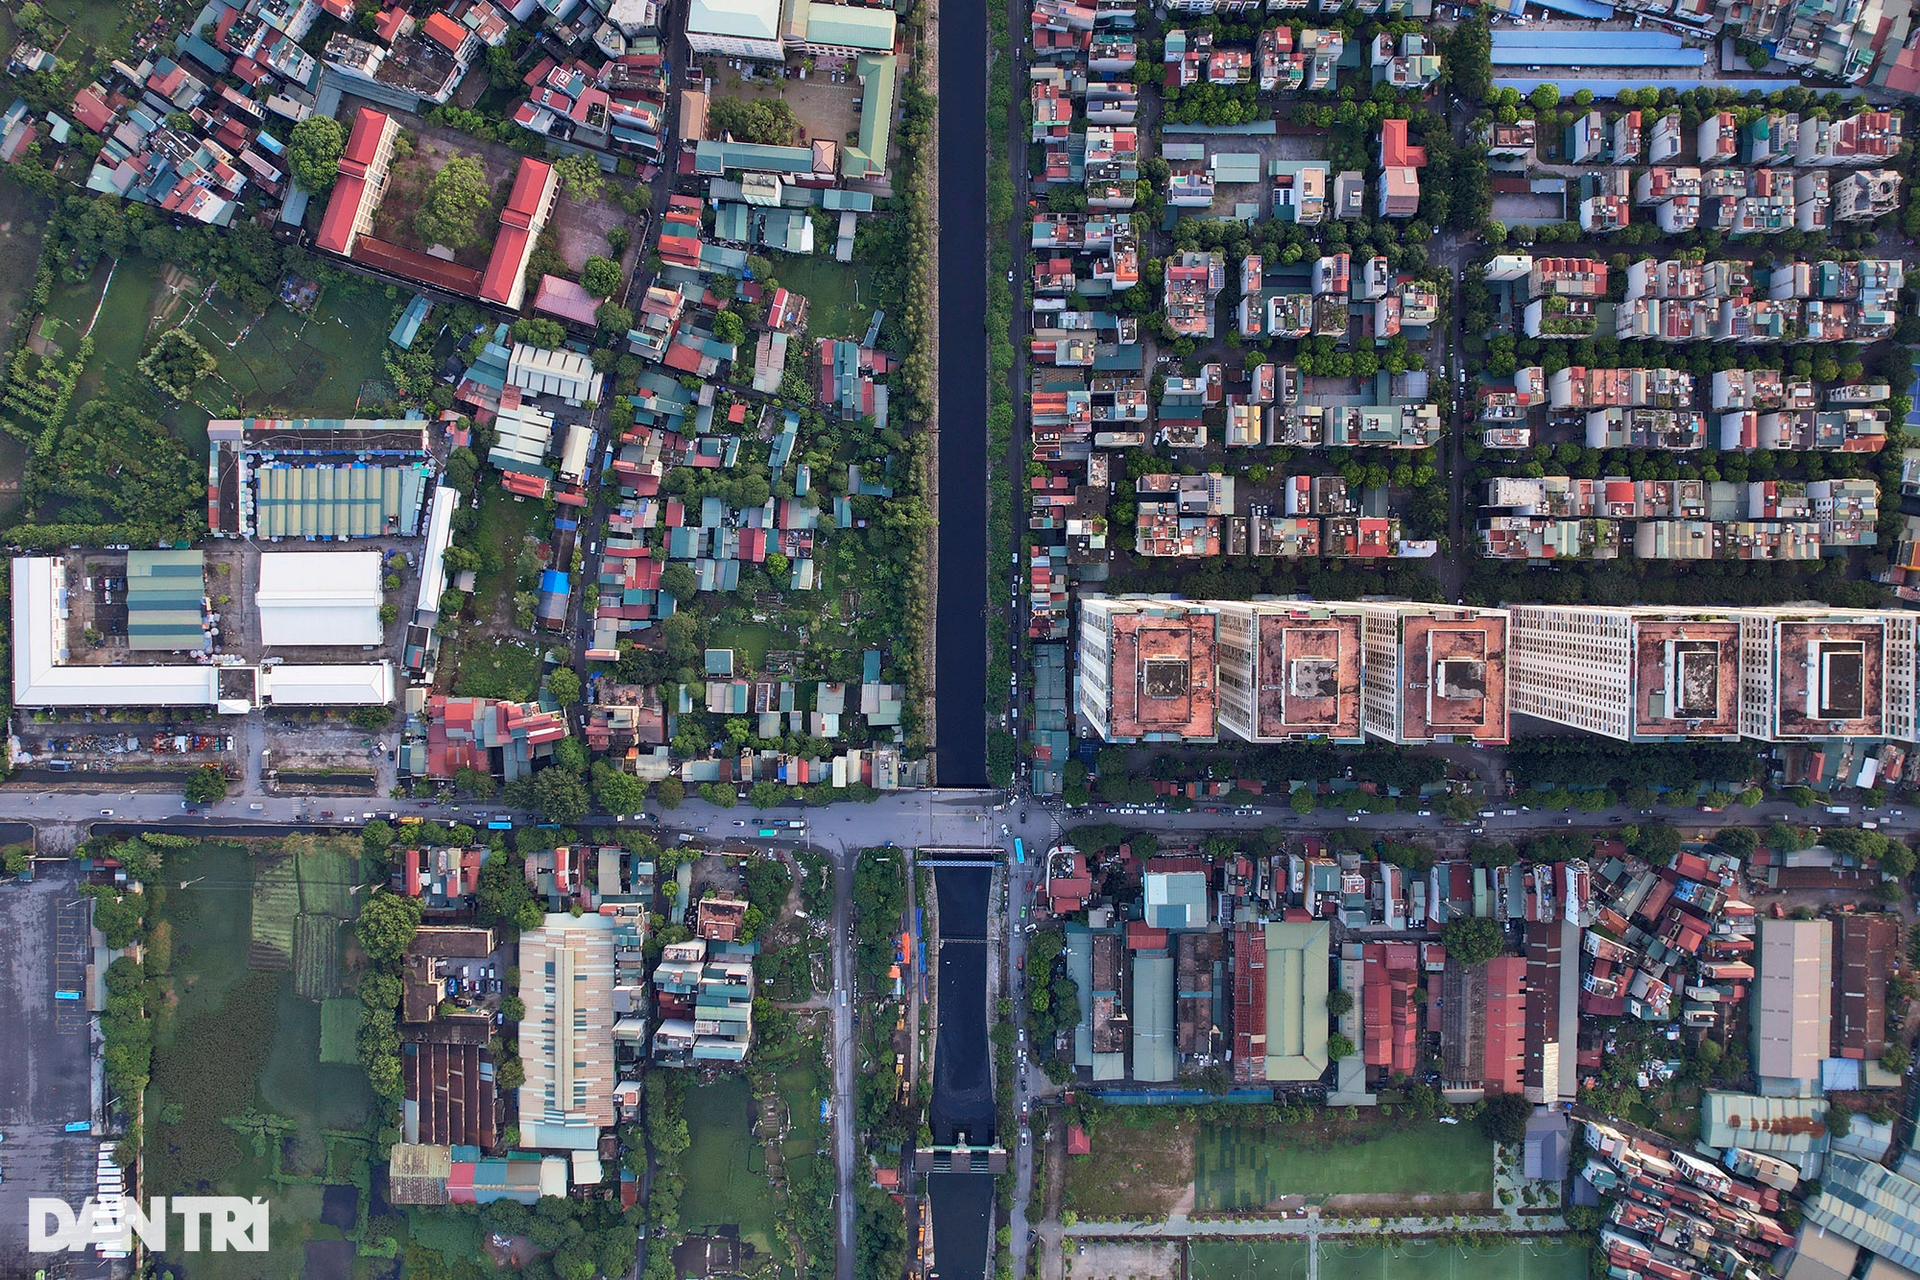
pixel 1826 673
pixel 1434 673
pixel 1147 670
pixel 1632 674
pixel 1289 672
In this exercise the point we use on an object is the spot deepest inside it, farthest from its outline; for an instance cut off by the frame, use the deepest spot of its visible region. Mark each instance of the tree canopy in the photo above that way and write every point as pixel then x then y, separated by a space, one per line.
pixel 314 147
pixel 449 212
pixel 768 121
pixel 1471 939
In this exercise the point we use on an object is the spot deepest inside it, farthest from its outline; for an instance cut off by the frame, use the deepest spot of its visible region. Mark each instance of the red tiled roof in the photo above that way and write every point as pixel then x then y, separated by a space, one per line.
pixel 350 191
pixel 445 32
pixel 516 230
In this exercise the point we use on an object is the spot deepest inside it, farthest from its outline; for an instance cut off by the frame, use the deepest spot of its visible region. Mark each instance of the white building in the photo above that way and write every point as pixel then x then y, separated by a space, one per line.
pixel 1826 673
pixel 736 28
pixel 319 598
pixel 1147 670
pixel 566 374
pixel 43 678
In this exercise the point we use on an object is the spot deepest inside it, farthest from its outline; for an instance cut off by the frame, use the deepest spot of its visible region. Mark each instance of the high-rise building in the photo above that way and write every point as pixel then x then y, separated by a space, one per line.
pixel 1634 674
pixel 1147 670
pixel 1434 673
pixel 1826 673
pixel 1289 671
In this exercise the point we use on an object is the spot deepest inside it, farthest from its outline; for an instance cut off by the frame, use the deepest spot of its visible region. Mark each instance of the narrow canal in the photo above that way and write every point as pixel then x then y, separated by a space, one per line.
pixel 962 1083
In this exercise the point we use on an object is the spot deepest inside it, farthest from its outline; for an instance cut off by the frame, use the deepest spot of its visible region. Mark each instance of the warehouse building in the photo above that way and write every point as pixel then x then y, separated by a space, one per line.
pixel 310 599
pixel 166 601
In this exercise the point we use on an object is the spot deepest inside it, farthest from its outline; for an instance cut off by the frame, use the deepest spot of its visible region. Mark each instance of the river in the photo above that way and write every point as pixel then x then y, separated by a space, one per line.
pixel 962 1083
pixel 960 675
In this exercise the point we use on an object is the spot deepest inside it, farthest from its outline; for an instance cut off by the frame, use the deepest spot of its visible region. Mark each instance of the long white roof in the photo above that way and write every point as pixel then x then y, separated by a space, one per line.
pixel 328 686
pixel 743 19
pixel 40 649
pixel 311 598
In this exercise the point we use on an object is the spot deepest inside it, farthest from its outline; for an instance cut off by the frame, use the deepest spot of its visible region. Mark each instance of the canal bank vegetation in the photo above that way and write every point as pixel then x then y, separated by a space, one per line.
pixel 889 1104
pixel 1001 545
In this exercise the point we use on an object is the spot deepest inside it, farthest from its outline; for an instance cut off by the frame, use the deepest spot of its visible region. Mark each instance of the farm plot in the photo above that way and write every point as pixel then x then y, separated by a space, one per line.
pixel 276 905
pixel 316 956
pixel 329 871
pixel 339 1031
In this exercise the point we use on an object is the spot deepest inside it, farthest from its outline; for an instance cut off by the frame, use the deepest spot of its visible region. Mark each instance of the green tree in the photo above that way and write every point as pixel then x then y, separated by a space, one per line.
pixel 1471 939
pixel 539 333
pixel 580 177
pixel 613 318
pixel 386 926
pixel 1300 799
pixel 177 362
pixel 678 581
pixel 768 121
pixel 1504 1117
pixel 314 147
pixel 729 328
pixel 766 795
pixel 670 792
pixel 600 276
pixel 450 210
pixel 1339 1002
pixel 615 791
pixel 206 785
pixel 560 795
pixel 1338 1047
pixel 564 684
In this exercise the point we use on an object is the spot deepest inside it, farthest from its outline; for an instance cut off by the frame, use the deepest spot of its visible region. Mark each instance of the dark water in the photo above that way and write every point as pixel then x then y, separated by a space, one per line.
pixel 960 678
pixel 962 1085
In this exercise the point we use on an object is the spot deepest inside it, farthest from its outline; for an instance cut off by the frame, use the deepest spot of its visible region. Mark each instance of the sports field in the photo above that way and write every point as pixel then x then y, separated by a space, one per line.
pixel 1543 1259
pixel 1249 1167
pixel 725 1167
pixel 1247 1260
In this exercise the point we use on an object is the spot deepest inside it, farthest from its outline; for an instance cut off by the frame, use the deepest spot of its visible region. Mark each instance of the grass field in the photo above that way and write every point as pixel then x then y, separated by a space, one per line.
pixel 328 868
pixel 120 332
pixel 1246 1167
pixel 1133 1173
pixel 506 670
pixel 339 1030
pixel 750 644
pixel 312 364
pixel 833 291
pixel 1247 1260
pixel 722 1185
pixel 1548 1259
pixel 23 219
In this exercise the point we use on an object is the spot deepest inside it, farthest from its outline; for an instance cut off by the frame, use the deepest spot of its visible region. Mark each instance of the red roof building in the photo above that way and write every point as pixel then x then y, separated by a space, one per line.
pixel 362 181
pixel 1506 1031
pixel 1391 971
pixel 446 33
pixel 521 222
pixel 1078 1144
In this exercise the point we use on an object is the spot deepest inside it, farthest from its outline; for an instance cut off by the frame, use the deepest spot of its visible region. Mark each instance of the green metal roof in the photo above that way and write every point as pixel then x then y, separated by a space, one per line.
pixel 165 591
pixel 868 158
pixel 850 27
pixel 1297 959
pixel 1154 1058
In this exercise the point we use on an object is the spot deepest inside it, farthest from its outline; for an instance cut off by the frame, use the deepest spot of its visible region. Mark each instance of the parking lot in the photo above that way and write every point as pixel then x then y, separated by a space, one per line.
pixel 46 1064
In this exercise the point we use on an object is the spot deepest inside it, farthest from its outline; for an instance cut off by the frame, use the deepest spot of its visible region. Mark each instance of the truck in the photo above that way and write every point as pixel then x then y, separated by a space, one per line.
pixel 1841 809
pixel 796 824
pixel 79 1126
pixel 498 824
pixel 766 832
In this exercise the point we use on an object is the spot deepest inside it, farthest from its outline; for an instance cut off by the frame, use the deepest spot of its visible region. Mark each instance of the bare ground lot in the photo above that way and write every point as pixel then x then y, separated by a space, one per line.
pixel 1124 1260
